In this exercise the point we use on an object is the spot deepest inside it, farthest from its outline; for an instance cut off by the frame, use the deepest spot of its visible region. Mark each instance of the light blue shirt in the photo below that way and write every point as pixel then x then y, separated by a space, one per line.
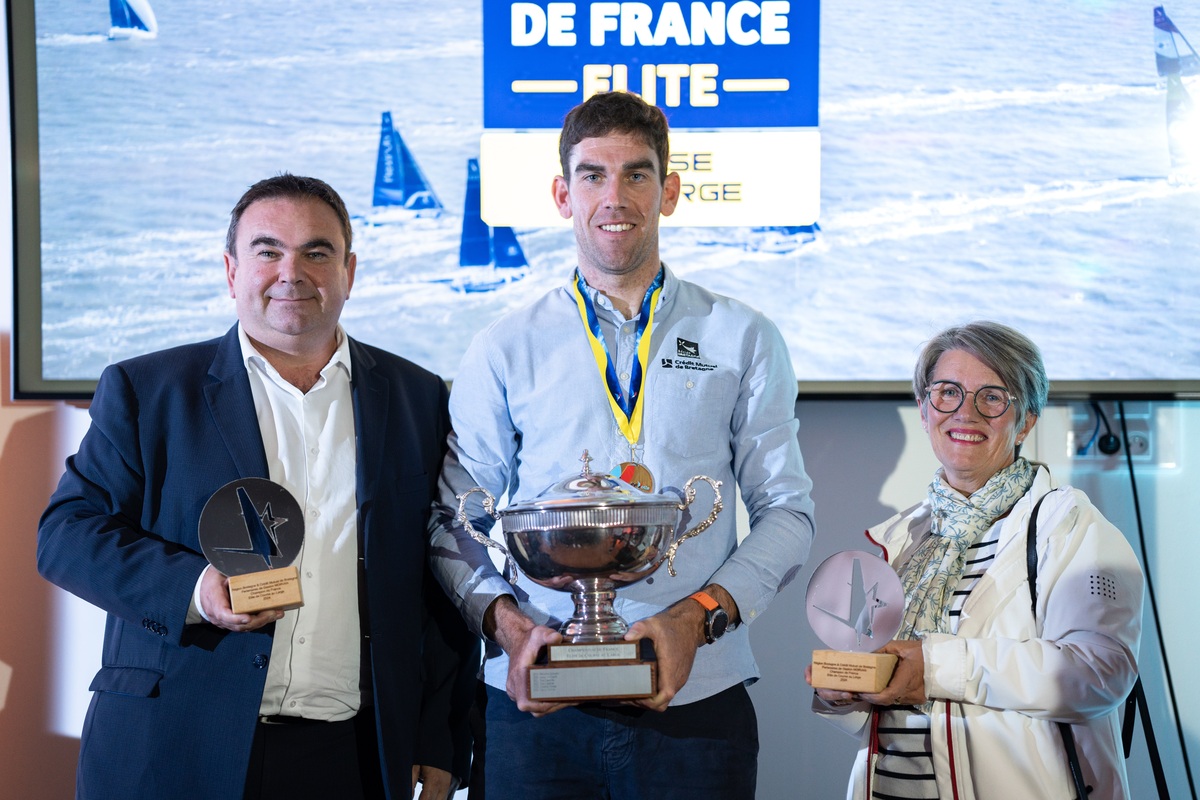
pixel 719 401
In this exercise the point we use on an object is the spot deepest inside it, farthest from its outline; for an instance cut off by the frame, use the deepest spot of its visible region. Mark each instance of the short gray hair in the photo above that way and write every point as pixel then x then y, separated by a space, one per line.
pixel 1009 353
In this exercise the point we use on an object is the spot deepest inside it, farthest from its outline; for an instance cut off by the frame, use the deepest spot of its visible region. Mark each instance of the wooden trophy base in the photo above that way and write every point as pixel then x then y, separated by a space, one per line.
pixel 851 672
pixel 575 673
pixel 271 589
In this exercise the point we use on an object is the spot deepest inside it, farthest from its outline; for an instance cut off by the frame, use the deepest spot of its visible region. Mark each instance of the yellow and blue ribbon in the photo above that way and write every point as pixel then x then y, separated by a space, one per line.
pixel 626 405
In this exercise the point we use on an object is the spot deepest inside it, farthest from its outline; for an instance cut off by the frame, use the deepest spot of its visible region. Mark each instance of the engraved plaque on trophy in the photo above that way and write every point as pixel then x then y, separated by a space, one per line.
pixel 251 530
pixel 591 534
pixel 855 604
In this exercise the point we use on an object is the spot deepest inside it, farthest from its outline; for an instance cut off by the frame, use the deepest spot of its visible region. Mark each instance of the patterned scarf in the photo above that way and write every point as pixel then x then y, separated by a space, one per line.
pixel 933 571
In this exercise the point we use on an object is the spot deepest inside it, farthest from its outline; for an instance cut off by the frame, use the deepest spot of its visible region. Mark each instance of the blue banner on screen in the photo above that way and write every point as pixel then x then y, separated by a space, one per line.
pixel 739 64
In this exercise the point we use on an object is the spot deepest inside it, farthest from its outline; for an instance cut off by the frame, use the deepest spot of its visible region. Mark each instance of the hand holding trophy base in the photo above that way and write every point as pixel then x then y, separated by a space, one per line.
pixel 852 672
pixel 594 671
pixel 258 591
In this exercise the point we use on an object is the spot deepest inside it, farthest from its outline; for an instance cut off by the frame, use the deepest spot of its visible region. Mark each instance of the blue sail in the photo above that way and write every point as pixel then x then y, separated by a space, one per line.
pixel 399 181
pixel 481 245
pixel 506 250
pixel 132 18
pixel 1169 57
pixel 261 540
pixel 475 248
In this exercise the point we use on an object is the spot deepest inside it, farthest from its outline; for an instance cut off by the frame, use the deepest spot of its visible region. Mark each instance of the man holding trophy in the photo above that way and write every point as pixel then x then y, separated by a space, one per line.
pixel 284 424
pixel 661 382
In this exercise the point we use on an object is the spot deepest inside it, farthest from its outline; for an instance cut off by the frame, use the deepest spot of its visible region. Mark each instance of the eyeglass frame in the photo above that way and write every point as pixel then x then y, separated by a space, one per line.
pixel 1012 398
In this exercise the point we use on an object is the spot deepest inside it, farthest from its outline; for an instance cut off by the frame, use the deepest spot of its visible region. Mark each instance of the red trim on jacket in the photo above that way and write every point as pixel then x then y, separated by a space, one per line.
pixel 950 752
pixel 867 534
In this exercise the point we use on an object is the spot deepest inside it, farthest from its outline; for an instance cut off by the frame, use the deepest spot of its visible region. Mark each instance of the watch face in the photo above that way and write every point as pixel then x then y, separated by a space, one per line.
pixel 718 621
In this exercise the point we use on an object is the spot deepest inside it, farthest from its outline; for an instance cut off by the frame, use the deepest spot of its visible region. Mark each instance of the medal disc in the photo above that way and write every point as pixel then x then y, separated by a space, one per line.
pixel 635 474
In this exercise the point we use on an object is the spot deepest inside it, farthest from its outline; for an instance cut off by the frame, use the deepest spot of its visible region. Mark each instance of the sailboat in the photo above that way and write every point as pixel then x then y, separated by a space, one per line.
pixel 132 19
pixel 772 239
pixel 782 238
pixel 1175 63
pixel 399 181
pixel 1167 55
pixel 405 204
pixel 495 250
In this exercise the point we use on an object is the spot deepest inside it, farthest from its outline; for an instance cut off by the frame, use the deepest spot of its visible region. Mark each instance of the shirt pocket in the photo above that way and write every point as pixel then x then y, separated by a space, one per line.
pixel 691 412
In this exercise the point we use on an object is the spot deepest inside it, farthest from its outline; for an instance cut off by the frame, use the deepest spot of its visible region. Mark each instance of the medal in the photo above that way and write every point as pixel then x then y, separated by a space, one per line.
pixel 635 474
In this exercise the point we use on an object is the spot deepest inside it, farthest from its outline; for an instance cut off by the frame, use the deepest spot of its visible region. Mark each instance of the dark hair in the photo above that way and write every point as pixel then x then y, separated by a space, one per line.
pixel 294 187
pixel 609 112
pixel 1005 351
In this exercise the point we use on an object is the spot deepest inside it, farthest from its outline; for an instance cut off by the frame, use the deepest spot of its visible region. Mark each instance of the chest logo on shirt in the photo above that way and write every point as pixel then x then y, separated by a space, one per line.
pixel 687 349
pixel 688 358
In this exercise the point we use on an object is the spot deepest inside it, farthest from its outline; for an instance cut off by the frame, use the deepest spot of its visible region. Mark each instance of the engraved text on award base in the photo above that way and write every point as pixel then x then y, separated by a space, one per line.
pixel 600 671
pixel 851 672
pixel 259 591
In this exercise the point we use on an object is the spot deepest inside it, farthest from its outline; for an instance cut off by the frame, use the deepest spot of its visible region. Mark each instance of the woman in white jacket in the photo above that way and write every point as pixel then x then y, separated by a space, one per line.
pixel 984 676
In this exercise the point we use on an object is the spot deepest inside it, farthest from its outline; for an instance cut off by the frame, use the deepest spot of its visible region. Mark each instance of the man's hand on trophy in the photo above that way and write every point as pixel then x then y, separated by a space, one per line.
pixel 213 599
pixel 677 632
pixel 522 639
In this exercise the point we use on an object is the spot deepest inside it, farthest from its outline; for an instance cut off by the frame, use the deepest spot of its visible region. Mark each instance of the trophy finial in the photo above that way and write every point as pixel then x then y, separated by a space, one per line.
pixel 587 463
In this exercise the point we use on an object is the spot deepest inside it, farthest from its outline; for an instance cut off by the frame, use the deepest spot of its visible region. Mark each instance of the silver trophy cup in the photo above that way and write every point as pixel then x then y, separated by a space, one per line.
pixel 590 534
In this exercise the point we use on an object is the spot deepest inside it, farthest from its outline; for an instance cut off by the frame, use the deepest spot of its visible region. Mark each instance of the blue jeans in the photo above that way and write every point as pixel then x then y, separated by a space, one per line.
pixel 706 750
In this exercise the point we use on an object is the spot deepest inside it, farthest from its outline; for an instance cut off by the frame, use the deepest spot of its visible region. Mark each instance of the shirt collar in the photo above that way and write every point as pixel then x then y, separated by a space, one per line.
pixel 251 356
pixel 670 282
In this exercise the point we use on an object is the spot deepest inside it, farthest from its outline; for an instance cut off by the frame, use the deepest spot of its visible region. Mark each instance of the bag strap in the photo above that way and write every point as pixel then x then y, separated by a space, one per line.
pixel 1081 789
pixel 1031 563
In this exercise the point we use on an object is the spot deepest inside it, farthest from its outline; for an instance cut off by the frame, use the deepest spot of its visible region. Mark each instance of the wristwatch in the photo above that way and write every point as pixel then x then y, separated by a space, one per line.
pixel 716 619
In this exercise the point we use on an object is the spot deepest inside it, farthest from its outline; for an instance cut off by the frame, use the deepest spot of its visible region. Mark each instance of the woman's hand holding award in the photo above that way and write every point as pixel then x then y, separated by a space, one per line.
pixel 855 604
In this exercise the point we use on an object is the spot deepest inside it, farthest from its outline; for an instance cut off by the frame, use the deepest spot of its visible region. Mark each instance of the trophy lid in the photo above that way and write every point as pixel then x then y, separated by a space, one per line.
pixel 589 500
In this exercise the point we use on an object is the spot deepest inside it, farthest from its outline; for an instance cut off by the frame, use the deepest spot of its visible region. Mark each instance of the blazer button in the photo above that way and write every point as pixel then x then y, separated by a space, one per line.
pixel 260 661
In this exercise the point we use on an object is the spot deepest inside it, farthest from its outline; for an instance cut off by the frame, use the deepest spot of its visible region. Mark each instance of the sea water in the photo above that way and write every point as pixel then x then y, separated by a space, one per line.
pixel 1003 160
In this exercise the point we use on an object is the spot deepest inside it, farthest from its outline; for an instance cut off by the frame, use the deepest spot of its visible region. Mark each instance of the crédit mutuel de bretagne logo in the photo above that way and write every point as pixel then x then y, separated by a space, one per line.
pixel 687 357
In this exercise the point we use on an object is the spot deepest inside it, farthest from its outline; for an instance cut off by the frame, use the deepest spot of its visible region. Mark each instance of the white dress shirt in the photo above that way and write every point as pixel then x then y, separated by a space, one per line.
pixel 310 445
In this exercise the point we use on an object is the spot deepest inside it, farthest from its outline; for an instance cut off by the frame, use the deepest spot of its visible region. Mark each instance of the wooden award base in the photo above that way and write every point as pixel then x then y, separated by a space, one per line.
pixel 851 672
pixel 259 591
pixel 573 673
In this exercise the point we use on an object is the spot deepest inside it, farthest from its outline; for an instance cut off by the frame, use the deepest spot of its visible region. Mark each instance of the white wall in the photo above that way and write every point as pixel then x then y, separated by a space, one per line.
pixel 868 459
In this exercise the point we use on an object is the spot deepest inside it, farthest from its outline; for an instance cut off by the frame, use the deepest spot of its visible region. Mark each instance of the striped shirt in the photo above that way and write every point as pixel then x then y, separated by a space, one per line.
pixel 904 770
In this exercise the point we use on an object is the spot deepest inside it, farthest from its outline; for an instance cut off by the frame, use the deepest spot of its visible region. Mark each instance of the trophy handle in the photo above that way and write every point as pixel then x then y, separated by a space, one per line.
pixel 690 495
pixel 489 505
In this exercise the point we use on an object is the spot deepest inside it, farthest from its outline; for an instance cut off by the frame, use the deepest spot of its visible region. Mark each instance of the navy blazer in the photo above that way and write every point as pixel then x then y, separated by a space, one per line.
pixel 175 706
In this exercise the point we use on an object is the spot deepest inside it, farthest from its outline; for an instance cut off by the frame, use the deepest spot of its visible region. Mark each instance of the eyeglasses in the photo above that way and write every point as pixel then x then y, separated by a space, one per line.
pixel 990 401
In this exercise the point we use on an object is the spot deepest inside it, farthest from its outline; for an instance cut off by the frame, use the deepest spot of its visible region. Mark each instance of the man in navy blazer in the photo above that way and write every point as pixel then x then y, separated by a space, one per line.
pixel 182 706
